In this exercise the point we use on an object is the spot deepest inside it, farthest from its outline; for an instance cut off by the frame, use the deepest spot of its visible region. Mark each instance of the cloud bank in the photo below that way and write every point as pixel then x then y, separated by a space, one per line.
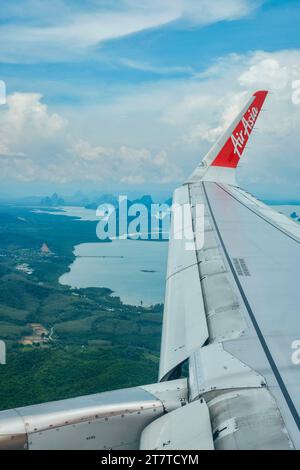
pixel 63 31
pixel 159 131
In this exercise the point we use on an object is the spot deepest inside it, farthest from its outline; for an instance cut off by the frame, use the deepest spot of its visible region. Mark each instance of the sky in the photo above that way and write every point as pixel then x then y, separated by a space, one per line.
pixel 129 95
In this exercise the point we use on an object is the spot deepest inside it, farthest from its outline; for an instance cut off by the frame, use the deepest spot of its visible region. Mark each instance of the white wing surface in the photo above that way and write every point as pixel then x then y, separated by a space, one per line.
pixel 232 308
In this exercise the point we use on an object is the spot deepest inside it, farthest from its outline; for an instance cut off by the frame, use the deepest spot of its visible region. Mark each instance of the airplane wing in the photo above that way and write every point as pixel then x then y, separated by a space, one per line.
pixel 231 323
pixel 232 307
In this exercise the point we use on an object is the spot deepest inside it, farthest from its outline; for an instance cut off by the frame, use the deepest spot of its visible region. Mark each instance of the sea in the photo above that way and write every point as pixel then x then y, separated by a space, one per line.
pixel 135 270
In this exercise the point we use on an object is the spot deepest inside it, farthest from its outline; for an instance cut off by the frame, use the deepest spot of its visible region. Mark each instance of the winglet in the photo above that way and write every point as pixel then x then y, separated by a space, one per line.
pixel 230 154
pixel 227 151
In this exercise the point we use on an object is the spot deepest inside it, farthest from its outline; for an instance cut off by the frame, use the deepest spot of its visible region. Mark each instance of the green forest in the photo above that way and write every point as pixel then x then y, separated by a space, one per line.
pixel 91 342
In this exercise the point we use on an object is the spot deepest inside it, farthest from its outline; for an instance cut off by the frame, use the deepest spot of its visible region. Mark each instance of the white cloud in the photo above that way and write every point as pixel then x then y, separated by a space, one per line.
pixel 159 70
pixel 208 11
pixel 272 159
pixel 39 145
pixel 158 132
pixel 64 41
pixel 186 116
pixel 26 126
pixel 62 32
pixel 266 72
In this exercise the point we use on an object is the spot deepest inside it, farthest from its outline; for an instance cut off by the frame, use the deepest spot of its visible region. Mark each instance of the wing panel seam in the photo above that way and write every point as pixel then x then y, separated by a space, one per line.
pixel 261 338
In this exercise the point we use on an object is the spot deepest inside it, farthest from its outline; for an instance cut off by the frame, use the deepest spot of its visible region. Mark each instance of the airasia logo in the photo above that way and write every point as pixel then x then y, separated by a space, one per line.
pixel 241 136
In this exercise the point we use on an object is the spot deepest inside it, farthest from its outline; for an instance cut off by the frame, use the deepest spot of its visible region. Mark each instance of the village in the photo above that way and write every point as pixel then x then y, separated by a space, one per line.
pixel 39 336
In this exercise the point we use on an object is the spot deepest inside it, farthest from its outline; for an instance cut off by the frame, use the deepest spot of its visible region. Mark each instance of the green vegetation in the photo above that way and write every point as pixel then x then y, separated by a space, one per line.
pixel 93 342
pixel 37 375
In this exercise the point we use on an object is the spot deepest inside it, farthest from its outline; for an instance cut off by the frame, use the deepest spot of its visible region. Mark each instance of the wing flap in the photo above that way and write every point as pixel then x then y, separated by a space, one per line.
pixel 187 428
pixel 184 323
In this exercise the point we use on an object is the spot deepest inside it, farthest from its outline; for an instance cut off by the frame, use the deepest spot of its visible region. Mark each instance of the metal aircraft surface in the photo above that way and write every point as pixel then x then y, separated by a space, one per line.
pixel 231 315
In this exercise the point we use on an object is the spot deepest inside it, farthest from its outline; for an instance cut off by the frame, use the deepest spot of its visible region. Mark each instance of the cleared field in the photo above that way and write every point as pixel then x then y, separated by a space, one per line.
pixel 12 331
pixel 13 314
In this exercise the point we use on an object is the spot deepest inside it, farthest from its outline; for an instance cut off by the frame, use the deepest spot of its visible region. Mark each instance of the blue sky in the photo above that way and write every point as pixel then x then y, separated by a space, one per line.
pixel 130 94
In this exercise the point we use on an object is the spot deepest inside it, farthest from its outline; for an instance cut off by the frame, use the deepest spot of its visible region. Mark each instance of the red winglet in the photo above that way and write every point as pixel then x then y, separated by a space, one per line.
pixel 234 146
